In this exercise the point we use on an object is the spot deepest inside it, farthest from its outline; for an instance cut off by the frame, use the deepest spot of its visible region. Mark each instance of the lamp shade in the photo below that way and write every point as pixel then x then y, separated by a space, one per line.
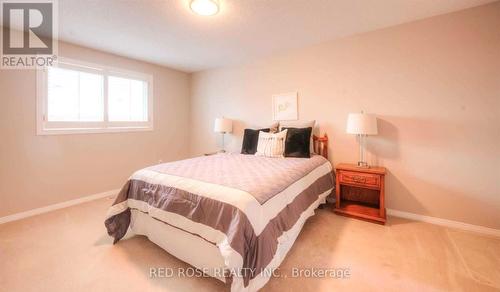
pixel 223 125
pixel 361 124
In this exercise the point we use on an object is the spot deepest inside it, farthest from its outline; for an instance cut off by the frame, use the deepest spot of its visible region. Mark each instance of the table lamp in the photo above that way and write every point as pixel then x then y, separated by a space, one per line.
pixel 223 125
pixel 362 125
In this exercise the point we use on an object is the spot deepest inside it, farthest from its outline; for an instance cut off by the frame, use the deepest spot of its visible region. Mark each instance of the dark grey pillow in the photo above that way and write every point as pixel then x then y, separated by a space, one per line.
pixel 298 142
pixel 250 140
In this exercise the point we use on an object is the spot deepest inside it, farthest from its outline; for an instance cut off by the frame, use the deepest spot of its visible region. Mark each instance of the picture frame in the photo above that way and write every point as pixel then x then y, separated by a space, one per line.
pixel 285 107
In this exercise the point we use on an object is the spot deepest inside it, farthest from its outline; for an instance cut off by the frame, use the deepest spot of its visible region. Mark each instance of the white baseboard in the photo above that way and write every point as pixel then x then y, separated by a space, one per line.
pixel 57 206
pixel 445 222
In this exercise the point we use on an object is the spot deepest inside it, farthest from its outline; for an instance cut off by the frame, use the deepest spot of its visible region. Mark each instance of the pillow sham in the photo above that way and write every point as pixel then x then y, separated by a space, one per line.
pixel 271 144
pixel 301 124
pixel 297 142
pixel 250 140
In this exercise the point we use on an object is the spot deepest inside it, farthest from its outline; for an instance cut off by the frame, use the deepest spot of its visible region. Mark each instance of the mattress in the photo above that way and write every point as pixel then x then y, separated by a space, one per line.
pixel 250 207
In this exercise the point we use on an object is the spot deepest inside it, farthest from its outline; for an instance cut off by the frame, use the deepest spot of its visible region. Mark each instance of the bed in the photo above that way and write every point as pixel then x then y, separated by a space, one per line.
pixel 232 216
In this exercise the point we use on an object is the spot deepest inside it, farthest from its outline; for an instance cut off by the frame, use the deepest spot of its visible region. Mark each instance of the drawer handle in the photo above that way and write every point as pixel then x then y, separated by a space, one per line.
pixel 359 179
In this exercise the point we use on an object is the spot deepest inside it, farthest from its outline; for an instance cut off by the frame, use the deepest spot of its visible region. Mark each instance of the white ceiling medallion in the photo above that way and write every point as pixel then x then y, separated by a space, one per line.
pixel 204 7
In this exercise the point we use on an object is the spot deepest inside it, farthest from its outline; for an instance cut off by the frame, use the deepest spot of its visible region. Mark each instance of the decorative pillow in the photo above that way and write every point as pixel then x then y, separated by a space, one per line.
pixel 271 145
pixel 250 140
pixel 300 124
pixel 297 143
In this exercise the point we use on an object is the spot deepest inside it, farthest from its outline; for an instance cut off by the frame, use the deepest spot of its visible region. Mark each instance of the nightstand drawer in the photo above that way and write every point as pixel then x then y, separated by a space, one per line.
pixel 362 179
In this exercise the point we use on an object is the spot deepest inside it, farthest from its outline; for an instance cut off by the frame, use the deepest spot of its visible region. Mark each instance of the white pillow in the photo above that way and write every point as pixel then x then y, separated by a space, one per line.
pixel 271 144
pixel 301 124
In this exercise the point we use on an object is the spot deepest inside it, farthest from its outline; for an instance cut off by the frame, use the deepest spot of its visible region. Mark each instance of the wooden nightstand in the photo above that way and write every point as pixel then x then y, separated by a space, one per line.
pixel 360 192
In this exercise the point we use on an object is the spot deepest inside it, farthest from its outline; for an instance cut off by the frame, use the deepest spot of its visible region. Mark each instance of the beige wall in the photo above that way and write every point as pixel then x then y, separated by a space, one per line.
pixel 36 171
pixel 434 84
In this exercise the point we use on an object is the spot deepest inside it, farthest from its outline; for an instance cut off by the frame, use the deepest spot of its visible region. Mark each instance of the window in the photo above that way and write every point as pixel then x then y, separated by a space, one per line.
pixel 76 97
pixel 127 99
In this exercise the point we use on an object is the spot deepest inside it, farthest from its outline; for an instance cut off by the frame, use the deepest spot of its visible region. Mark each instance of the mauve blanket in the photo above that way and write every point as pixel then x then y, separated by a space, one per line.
pixel 244 204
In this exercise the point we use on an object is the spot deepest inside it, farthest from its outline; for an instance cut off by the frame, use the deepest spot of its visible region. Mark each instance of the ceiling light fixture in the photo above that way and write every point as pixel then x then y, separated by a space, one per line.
pixel 204 7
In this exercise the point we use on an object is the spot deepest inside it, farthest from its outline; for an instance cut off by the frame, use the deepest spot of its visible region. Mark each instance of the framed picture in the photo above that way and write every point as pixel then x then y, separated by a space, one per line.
pixel 285 107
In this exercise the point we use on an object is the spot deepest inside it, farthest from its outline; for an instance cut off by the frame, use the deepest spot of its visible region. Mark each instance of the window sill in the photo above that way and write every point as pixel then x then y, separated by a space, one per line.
pixel 71 131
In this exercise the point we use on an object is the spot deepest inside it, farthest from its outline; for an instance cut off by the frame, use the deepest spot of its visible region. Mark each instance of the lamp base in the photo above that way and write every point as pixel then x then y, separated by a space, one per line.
pixel 362 164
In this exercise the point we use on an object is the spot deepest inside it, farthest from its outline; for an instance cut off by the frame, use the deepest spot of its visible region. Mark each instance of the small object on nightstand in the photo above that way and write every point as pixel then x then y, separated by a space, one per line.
pixel 360 192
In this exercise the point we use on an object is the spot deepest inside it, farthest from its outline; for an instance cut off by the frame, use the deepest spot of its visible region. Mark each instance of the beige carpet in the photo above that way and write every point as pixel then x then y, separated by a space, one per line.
pixel 68 250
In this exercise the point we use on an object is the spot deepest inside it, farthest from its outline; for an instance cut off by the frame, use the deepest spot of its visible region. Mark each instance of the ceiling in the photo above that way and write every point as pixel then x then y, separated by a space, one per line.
pixel 168 33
